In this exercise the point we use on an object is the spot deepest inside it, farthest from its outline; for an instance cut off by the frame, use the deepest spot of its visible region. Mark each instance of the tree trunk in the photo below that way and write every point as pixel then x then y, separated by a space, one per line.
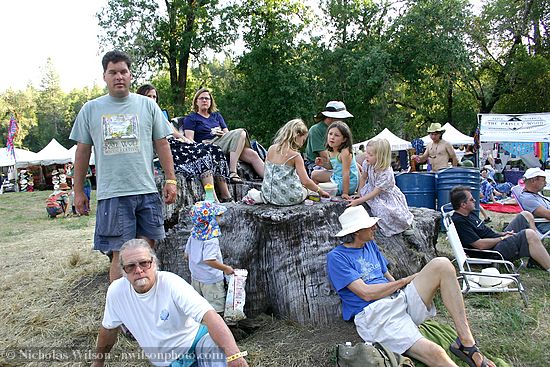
pixel 284 250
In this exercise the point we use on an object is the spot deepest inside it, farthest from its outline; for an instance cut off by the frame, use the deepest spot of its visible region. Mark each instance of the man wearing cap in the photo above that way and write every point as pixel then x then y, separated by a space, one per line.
pixel 532 200
pixel 389 311
pixel 438 152
pixel 171 322
pixel 519 239
pixel 125 130
pixel 317 137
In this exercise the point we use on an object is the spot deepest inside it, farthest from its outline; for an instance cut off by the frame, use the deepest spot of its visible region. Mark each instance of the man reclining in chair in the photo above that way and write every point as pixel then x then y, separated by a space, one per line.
pixel 532 200
pixel 388 311
pixel 519 239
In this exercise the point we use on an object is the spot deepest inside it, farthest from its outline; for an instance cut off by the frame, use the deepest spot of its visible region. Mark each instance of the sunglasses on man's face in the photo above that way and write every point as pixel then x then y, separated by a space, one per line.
pixel 144 265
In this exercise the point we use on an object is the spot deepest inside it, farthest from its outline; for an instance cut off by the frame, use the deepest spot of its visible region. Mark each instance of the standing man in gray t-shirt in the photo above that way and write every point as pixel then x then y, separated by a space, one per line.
pixel 123 128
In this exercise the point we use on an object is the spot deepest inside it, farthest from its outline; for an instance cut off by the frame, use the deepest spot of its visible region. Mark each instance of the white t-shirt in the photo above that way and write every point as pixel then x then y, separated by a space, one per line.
pixel 198 251
pixel 164 320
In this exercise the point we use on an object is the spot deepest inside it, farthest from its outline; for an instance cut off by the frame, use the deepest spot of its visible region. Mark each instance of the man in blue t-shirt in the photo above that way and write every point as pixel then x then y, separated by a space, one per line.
pixel 389 311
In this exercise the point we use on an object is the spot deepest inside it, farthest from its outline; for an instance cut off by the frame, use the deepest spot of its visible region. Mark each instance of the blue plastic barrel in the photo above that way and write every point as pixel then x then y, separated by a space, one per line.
pixel 450 177
pixel 419 188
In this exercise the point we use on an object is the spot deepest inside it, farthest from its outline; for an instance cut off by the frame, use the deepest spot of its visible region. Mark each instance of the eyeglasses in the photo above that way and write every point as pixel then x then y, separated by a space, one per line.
pixel 204 98
pixel 145 265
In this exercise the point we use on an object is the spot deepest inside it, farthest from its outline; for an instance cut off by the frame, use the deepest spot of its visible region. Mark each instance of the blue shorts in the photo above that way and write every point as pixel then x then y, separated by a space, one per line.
pixel 123 218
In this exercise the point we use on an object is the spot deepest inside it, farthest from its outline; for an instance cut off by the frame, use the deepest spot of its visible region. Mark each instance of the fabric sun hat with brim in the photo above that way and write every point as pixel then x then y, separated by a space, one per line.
pixel 203 216
pixel 487 282
pixel 354 219
pixel 334 109
pixel 435 128
pixel 534 172
pixel 64 186
pixel 54 172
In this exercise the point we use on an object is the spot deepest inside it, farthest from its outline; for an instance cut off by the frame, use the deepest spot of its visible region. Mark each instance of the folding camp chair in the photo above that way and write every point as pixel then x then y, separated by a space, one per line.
pixel 516 191
pixel 470 279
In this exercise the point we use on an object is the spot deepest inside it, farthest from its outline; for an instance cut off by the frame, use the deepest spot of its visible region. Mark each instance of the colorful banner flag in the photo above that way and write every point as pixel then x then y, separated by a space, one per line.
pixel 13 129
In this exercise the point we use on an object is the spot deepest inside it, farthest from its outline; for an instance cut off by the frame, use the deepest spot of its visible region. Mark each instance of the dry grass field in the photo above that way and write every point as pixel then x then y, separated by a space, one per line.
pixel 53 285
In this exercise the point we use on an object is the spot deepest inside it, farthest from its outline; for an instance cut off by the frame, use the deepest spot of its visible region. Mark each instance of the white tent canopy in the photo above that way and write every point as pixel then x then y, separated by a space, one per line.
pixel 529 127
pixel 453 136
pixel 73 153
pixel 396 143
pixel 54 153
pixel 23 158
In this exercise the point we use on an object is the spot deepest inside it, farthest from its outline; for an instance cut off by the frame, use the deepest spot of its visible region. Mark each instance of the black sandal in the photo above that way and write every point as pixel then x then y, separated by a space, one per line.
pixel 466 354
pixel 234 178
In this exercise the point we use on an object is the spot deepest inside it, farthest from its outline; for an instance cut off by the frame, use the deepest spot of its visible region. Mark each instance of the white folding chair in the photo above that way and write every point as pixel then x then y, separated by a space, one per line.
pixel 516 191
pixel 470 279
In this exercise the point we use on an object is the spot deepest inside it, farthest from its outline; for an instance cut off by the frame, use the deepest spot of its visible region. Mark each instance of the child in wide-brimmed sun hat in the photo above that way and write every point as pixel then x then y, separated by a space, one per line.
pixel 204 254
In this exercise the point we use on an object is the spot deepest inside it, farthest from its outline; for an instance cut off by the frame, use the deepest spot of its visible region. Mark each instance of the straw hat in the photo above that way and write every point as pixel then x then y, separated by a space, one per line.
pixel 354 219
pixel 435 128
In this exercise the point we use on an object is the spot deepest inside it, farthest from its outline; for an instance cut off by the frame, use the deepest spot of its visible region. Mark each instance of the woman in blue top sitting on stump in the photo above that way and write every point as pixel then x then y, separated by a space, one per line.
pixel 206 124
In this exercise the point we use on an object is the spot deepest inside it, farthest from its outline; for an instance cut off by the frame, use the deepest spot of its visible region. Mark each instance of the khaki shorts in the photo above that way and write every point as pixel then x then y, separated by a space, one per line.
pixel 214 293
pixel 394 320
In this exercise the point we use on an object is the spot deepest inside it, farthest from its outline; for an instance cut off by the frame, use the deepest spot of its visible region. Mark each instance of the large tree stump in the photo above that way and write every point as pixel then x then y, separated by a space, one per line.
pixel 284 250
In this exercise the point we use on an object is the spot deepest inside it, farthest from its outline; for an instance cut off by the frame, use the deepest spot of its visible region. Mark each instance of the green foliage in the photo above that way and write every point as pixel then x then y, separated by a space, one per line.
pixel 22 104
pixel 165 37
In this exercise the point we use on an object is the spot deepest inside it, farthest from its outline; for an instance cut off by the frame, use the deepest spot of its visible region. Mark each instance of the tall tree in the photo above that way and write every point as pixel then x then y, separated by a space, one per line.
pixel 430 57
pixel 50 112
pixel 158 34
pixel 502 35
pixel 22 104
pixel 272 81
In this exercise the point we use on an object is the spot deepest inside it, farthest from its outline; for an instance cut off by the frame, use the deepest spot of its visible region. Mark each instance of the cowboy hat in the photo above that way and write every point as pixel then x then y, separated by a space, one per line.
pixel 334 109
pixel 436 128
pixel 354 219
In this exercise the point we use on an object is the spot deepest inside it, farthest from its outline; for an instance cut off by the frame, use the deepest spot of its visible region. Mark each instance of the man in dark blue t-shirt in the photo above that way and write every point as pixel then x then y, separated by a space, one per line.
pixel 389 311
pixel 519 239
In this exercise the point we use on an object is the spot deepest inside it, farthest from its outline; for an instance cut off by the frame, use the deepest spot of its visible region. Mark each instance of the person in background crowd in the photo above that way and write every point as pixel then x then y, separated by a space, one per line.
pixel 438 152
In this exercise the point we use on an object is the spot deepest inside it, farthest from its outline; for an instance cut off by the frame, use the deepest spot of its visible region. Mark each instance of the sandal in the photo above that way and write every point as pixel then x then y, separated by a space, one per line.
pixel 226 200
pixel 234 178
pixel 466 353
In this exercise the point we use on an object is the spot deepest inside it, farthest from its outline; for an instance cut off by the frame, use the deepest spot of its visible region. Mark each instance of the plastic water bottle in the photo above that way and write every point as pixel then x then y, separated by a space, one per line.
pixel 209 193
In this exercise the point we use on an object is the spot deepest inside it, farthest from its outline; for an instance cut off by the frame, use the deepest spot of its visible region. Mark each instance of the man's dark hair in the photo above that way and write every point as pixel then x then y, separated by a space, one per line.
pixel 458 196
pixel 114 57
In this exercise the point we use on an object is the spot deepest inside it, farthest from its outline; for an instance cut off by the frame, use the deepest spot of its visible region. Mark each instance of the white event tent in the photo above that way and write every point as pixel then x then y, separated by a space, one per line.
pixel 23 158
pixel 73 152
pixel 396 143
pixel 453 136
pixel 54 153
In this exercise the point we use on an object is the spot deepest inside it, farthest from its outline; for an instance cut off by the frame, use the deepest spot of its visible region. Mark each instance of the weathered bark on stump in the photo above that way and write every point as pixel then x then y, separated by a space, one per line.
pixel 284 250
